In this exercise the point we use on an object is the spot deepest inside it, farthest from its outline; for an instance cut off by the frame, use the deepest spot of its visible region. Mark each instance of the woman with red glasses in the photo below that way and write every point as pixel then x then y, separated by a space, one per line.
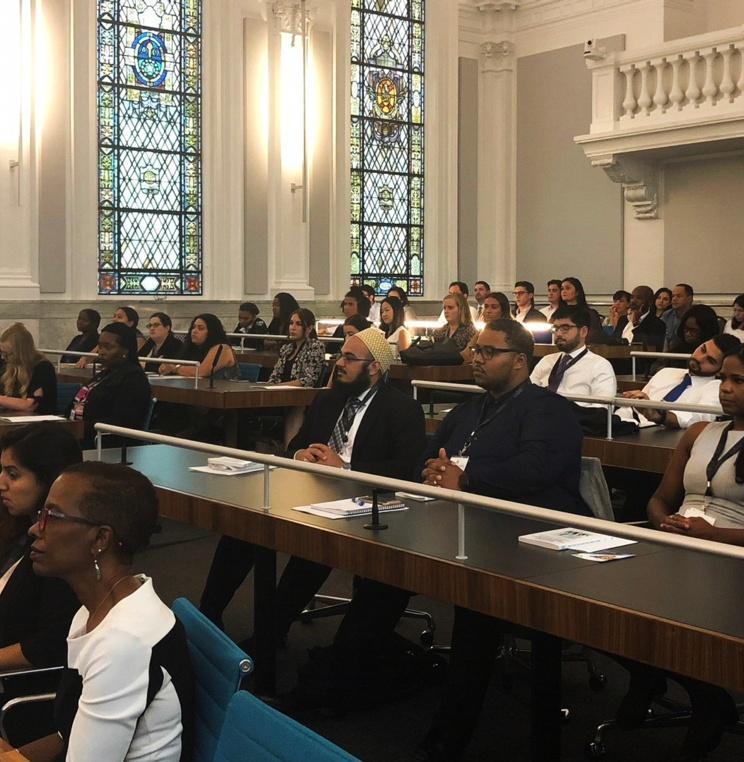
pixel 35 613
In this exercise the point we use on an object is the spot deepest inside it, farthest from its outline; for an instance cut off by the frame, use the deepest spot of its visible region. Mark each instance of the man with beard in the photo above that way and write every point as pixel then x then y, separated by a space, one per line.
pixel 361 423
pixel 696 385
pixel 574 370
pixel 643 326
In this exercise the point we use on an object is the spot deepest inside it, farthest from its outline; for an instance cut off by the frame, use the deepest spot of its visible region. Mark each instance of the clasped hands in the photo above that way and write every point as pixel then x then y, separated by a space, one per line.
pixel 442 472
pixel 655 416
pixel 321 454
pixel 689 526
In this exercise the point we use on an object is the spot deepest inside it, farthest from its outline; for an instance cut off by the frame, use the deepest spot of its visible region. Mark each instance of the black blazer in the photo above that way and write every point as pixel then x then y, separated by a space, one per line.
pixel 83 342
pixel 36 612
pixel 390 438
pixel 651 332
pixel 171 348
pixel 533 316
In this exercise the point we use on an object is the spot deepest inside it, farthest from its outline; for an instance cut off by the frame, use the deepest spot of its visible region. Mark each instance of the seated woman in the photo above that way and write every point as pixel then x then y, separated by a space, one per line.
pixel 698 325
pixel 400 293
pixel 249 322
pixel 120 393
pixel 300 360
pixel 128 689
pixel 708 454
pixel 87 338
pixel 35 613
pixel 662 301
pixel 127 316
pixel 162 342
pixel 282 306
pixel 206 342
pixel 459 326
pixel 572 292
pixel 392 324
pixel 495 307
pixel 28 382
pixel 735 325
pixel 354 324
pixel 355 303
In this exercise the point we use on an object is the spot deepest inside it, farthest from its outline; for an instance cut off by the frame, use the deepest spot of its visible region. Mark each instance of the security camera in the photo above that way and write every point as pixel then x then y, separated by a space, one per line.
pixel 594 51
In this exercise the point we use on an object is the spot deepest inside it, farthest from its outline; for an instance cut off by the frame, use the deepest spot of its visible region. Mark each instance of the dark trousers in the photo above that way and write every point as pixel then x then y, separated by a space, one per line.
pixel 232 562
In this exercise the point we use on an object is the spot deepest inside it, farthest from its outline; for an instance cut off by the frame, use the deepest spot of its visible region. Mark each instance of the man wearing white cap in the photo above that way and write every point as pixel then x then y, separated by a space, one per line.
pixel 361 423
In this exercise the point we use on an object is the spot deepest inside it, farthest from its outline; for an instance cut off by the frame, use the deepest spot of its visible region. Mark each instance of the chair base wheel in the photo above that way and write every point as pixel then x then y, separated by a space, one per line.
pixel 595 750
pixel 598 681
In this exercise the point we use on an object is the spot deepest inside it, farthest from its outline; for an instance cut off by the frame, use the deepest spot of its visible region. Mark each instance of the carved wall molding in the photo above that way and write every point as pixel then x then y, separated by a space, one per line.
pixel 639 180
pixel 497 56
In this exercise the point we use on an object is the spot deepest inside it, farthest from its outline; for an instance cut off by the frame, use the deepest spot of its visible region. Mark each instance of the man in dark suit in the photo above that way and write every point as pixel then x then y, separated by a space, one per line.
pixel 518 442
pixel 361 423
pixel 643 326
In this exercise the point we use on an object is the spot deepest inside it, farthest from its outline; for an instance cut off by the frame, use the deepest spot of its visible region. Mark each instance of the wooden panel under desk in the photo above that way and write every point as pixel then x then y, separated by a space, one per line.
pixel 605 606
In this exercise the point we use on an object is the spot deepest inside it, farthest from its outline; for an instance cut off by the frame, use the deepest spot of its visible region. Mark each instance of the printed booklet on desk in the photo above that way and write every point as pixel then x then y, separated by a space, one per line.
pixel 574 539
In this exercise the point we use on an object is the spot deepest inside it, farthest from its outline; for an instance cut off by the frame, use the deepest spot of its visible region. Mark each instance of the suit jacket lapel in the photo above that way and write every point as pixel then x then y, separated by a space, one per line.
pixel 368 420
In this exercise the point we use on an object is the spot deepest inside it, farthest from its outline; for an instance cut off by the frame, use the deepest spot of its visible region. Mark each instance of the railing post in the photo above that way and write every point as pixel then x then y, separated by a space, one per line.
pixel 196 377
pixel 267 488
pixel 99 445
pixel 633 366
pixel 609 421
pixel 461 555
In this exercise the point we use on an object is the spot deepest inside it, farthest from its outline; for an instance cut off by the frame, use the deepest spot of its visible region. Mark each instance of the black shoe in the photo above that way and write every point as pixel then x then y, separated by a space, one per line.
pixel 633 709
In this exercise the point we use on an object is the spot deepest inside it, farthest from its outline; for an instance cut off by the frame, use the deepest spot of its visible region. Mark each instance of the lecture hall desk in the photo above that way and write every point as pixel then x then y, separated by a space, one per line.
pixel 631 608
pixel 8 424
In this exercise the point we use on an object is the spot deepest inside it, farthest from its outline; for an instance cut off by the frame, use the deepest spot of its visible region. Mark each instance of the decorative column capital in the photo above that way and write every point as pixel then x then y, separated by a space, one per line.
pixel 495 6
pixel 639 181
pixel 288 14
pixel 497 56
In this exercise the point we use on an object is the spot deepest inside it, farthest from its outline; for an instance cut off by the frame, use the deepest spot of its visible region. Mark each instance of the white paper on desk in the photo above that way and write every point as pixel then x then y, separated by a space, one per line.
pixel 168 377
pixel 251 469
pixel 602 558
pixel 33 418
pixel 334 515
pixel 600 543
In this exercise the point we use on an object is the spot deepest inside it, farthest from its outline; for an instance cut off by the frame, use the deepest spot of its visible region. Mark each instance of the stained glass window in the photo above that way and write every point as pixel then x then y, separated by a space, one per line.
pixel 149 147
pixel 387 144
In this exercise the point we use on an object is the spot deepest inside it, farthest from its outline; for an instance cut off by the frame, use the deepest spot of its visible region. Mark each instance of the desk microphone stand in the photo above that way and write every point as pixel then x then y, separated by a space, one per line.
pixel 375 524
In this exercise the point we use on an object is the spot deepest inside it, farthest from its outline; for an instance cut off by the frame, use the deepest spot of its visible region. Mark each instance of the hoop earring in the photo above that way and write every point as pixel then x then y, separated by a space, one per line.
pixel 97 568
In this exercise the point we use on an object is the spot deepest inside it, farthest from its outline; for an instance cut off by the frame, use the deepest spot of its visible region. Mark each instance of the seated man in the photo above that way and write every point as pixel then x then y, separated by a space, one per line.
pixel 614 324
pixel 575 369
pixel 361 423
pixel 524 303
pixel 696 385
pixel 518 442
pixel 643 327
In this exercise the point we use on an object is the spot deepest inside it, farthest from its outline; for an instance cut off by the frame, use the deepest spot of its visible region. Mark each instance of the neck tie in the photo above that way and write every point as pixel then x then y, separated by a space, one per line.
pixel 343 424
pixel 674 394
pixel 556 375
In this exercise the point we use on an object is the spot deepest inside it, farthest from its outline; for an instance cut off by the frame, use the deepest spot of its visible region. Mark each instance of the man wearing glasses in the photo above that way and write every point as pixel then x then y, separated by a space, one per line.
pixel 524 303
pixel 361 423
pixel 517 442
pixel 575 369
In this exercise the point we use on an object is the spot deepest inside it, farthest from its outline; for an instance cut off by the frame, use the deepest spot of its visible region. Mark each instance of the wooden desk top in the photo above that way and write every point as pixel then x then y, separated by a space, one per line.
pixel 76 427
pixel 266 358
pixel 462 374
pixel 226 395
pixel 611 352
pixel 631 608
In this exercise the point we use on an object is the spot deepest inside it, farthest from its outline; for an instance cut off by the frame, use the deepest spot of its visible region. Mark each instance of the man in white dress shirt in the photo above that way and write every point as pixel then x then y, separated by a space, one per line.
pixel 374 310
pixel 574 370
pixel 697 385
pixel 554 298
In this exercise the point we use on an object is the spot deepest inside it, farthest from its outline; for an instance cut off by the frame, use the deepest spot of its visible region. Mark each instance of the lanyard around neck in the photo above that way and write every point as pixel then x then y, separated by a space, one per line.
pixel 719 457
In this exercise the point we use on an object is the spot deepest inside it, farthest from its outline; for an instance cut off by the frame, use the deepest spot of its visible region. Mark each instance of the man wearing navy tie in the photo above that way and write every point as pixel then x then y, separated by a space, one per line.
pixel 697 385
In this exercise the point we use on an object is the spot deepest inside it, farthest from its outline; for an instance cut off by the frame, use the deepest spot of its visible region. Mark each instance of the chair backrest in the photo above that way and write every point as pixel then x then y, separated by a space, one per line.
pixel 65 395
pixel 594 490
pixel 248 371
pixel 254 731
pixel 219 667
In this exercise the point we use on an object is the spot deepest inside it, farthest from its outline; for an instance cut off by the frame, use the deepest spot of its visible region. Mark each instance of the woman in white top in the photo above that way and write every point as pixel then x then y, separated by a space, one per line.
pixel 392 324
pixel 735 326
pixel 128 691
pixel 701 495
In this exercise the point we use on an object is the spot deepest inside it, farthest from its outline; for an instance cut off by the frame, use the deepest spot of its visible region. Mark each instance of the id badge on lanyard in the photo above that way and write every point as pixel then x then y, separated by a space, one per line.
pixel 461 461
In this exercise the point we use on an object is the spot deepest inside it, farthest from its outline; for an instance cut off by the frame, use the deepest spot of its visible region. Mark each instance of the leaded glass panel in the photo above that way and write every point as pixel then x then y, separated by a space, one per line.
pixel 149 140
pixel 387 144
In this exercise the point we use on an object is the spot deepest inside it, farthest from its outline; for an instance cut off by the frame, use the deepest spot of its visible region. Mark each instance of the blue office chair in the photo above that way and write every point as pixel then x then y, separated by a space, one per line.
pixel 65 395
pixel 255 731
pixel 219 667
pixel 248 371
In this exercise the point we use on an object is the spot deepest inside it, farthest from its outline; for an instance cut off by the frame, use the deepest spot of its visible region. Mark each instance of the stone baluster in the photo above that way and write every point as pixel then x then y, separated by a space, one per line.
pixel 710 88
pixel 740 83
pixel 693 91
pixel 727 81
pixel 645 101
pixel 629 103
pixel 677 95
pixel 660 96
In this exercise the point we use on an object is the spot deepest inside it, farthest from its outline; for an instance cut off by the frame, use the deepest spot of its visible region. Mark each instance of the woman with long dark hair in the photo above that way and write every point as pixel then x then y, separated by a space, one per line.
pixel 698 325
pixel 355 303
pixel 735 326
pixel 301 359
pixel 392 323
pixel 662 301
pixel 572 293
pixel 282 306
pixel 400 293
pixel 206 341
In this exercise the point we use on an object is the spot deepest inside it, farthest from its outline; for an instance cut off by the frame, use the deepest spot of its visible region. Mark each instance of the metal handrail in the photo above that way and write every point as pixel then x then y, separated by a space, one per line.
pixel 174 361
pixel 609 402
pixel 462 499
pixel 667 355
pixel 62 352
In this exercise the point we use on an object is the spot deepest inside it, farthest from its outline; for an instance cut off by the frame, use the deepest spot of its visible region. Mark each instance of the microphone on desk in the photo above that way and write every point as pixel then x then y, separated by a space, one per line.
pixel 217 356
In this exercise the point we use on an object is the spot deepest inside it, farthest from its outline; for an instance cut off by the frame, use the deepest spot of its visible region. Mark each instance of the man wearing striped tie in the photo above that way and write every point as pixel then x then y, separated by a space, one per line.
pixel 696 385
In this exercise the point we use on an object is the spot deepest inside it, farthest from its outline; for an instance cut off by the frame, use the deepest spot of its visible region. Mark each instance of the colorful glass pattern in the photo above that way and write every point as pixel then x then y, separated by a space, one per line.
pixel 149 147
pixel 387 144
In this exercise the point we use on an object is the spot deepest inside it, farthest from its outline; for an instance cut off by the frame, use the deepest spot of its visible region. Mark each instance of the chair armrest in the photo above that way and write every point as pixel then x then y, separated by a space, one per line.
pixel 32 699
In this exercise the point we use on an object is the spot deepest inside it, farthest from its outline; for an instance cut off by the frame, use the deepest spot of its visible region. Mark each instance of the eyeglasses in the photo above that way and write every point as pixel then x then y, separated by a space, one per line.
pixel 346 357
pixel 519 293
pixel 44 514
pixel 488 353
pixel 154 325
pixel 563 328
